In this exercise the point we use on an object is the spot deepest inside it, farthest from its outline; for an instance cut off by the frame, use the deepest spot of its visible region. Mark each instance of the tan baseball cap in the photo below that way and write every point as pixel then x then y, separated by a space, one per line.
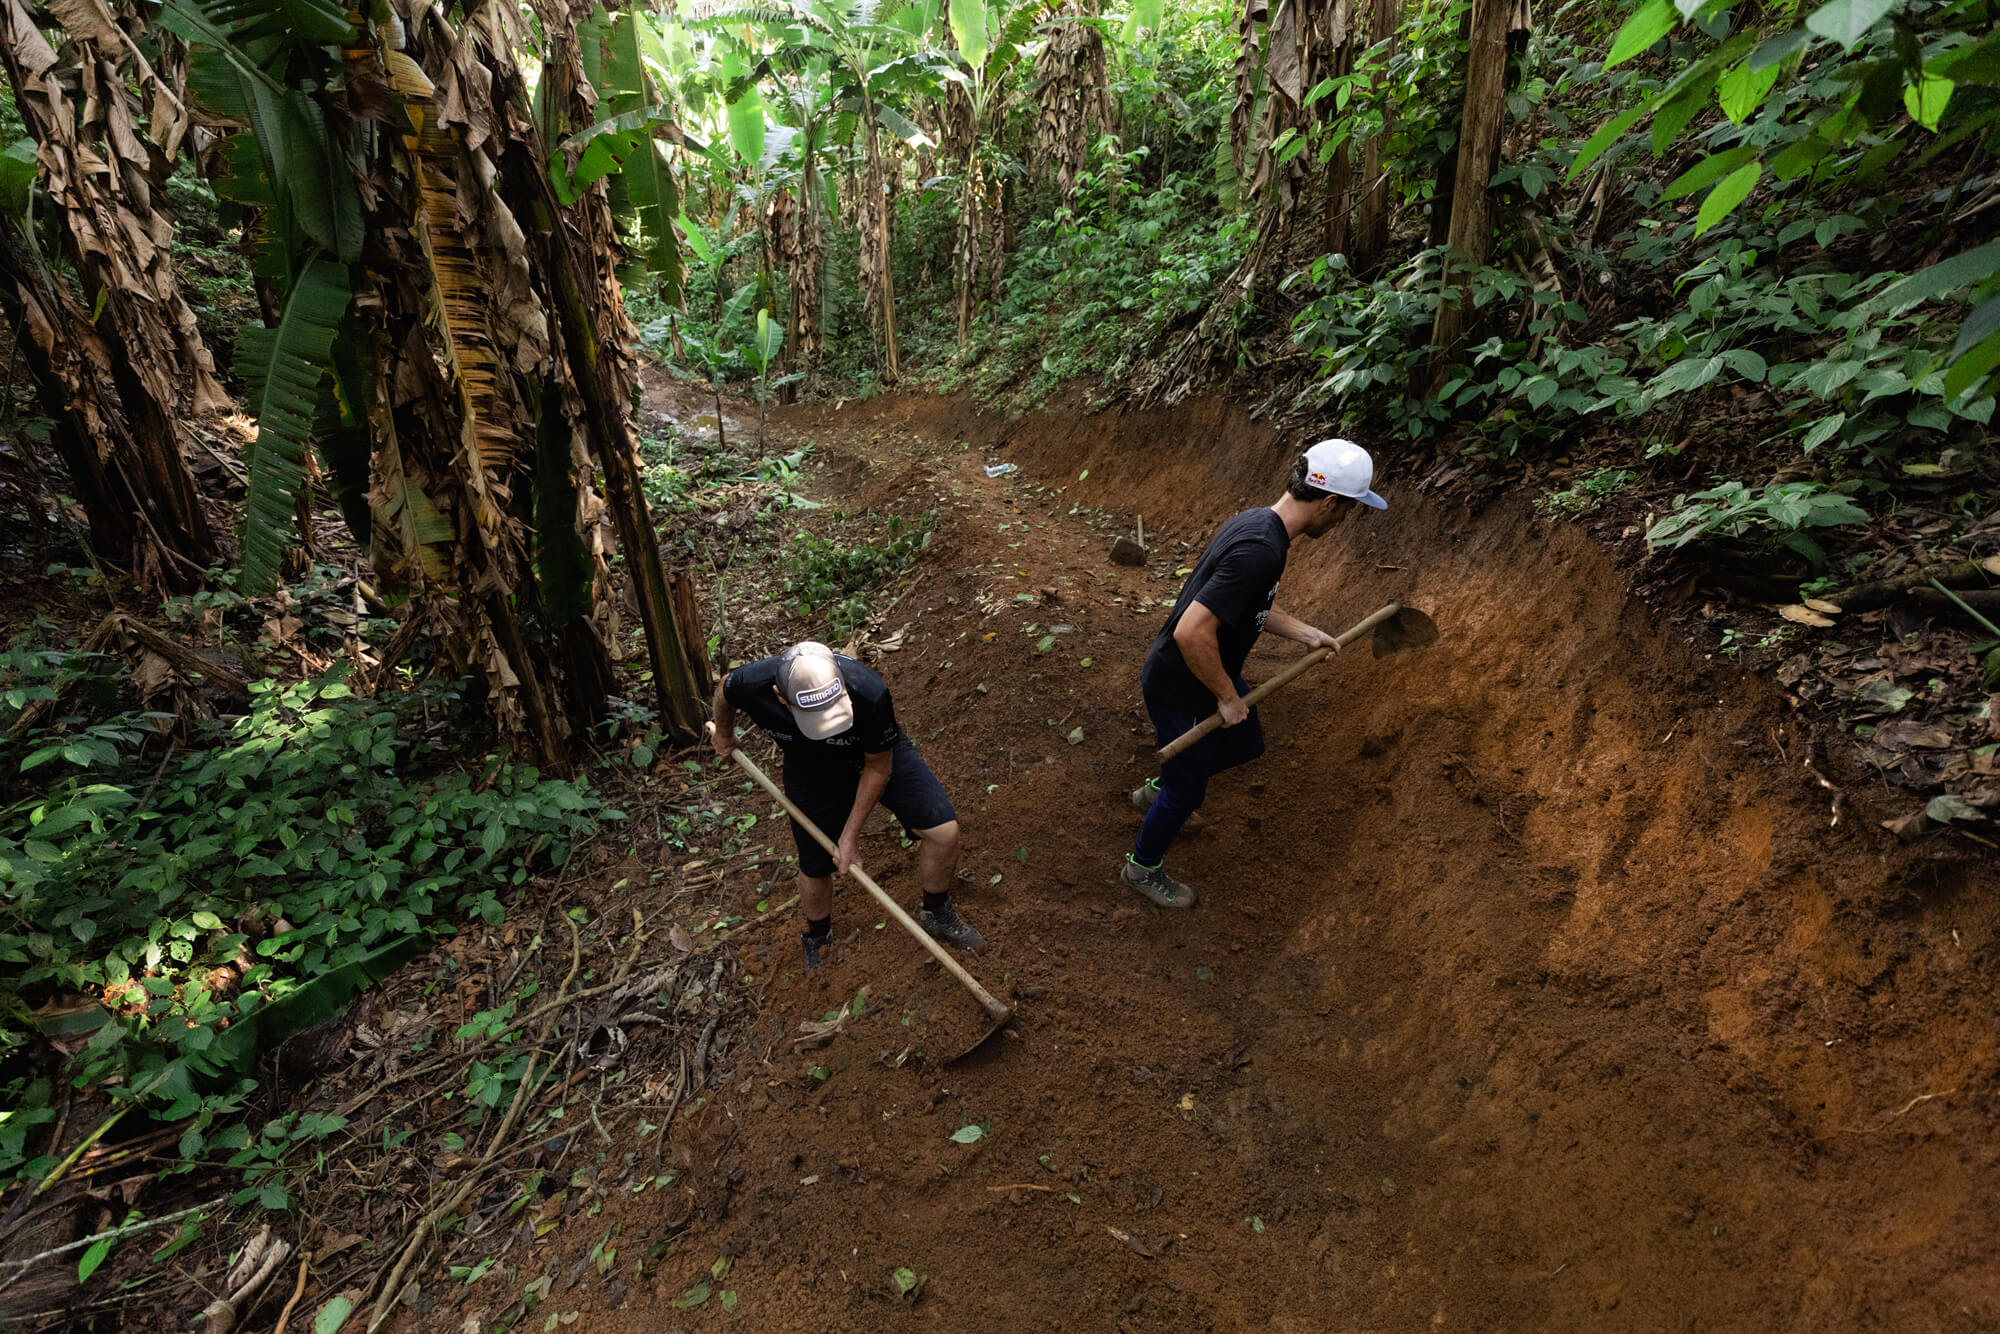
pixel 809 679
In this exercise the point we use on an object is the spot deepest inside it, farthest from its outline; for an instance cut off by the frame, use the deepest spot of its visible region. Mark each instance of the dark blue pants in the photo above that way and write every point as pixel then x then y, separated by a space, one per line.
pixel 1184 778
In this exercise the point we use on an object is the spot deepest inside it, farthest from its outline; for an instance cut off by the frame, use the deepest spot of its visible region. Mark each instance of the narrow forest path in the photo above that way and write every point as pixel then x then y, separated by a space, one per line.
pixel 1529 988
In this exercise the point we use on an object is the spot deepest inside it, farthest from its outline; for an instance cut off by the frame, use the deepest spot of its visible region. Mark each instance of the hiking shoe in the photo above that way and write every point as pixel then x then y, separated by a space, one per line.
pixel 943 923
pixel 1154 883
pixel 1144 795
pixel 813 944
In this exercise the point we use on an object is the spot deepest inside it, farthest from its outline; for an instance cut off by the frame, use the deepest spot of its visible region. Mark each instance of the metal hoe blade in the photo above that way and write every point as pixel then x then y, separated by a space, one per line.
pixel 1407 629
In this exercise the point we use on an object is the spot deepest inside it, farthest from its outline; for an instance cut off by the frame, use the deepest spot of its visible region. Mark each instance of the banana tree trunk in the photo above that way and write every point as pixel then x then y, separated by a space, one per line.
pixel 878 282
pixel 98 174
pixel 51 338
pixel 584 298
pixel 971 214
pixel 1339 179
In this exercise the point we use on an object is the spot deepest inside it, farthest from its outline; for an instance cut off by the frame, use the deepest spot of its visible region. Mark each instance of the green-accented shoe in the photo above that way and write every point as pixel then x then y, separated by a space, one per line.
pixel 1154 883
pixel 1147 792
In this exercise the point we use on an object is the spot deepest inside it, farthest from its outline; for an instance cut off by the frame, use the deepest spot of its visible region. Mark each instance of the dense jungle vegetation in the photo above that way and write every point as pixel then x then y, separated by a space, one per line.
pixel 346 586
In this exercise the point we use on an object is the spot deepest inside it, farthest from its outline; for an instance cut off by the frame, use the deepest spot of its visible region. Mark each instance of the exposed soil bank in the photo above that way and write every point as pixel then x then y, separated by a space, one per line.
pixel 1529 989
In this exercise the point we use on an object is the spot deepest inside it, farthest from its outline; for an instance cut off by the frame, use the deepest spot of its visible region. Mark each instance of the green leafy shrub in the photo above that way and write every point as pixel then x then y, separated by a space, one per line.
pixel 1781 511
pixel 825 577
pixel 164 924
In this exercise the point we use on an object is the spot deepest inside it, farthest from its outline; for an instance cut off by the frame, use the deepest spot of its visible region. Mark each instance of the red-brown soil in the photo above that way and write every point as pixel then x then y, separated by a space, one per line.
pixel 1529 988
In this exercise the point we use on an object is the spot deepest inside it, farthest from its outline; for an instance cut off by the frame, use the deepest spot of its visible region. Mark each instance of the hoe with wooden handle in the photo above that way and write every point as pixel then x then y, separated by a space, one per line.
pixel 1397 629
pixel 995 1011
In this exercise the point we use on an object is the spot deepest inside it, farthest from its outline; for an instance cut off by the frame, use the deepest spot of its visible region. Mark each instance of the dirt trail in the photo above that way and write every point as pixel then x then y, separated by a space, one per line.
pixel 1530 989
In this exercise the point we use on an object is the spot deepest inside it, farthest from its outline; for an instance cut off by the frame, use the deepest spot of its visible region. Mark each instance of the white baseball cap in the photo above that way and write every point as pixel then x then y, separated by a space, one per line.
pixel 1343 468
pixel 809 679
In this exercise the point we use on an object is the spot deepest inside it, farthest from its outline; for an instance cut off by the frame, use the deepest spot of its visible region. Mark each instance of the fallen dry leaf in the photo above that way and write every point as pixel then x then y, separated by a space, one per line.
pixel 1130 1242
pixel 1907 827
pixel 1904 735
pixel 1804 616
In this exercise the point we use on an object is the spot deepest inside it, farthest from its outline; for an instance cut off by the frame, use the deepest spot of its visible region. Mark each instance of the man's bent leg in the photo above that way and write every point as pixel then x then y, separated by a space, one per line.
pixel 820 800
pixel 937 859
pixel 937 869
pixel 1183 785
pixel 816 897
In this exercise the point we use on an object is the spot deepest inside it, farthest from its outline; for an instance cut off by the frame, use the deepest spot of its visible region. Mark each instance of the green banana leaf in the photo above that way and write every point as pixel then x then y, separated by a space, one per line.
pixel 282 368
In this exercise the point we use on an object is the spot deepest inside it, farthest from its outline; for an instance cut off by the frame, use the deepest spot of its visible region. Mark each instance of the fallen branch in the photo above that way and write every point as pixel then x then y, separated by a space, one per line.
pixel 1966 603
pixel 1879 593
pixel 143 1225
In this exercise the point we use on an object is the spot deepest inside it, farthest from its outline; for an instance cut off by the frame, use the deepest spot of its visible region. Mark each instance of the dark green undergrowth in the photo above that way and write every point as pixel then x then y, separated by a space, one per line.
pixel 169 911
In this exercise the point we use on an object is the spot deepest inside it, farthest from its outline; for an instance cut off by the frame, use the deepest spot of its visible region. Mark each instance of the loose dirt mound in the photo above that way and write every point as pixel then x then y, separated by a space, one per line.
pixel 1530 988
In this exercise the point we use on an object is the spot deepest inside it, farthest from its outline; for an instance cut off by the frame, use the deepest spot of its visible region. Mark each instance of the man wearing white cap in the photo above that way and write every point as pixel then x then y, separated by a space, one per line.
pixel 1196 663
pixel 844 753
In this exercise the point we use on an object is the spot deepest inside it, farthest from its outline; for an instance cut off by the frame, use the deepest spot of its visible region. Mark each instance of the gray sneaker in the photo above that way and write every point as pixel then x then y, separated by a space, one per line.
pixel 1154 883
pixel 813 945
pixel 944 924
pixel 1144 795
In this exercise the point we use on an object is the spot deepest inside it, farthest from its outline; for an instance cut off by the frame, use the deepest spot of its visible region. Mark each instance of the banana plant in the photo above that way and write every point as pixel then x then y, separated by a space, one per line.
pixel 874 62
pixel 764 353
pixel 445 405
pixel 298 169
pixel 992 41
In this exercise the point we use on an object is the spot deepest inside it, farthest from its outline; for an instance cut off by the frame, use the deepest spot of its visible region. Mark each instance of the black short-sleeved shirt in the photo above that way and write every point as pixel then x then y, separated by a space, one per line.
pixel 750 689
pixel 1236 579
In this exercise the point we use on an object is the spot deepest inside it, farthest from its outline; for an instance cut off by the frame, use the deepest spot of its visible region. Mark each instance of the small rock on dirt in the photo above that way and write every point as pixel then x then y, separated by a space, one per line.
pixel 1127 552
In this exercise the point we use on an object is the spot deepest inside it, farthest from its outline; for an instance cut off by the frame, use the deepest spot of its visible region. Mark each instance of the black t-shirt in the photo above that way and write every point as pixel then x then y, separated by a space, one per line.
pixel 750 689
pixel 1236 579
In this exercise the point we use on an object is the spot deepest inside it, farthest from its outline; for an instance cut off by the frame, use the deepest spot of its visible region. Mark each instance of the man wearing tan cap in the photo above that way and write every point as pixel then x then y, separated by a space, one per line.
pixel 844 753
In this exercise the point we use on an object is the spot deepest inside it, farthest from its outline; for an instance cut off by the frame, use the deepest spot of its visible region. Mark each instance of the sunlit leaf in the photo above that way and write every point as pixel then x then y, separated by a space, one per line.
pixel 1706 172
pixel 1654 20
pixel 332 1316
pixel 92 1258
pixel 969 30
pixel 1741 91
pixel 1848 21
pixel 1926 99
pixel 1723 199
pixel 1607 134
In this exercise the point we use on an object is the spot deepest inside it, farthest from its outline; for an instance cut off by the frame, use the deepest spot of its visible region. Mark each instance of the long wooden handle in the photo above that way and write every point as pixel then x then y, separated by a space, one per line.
pixel 999 1012
pixel 1285 677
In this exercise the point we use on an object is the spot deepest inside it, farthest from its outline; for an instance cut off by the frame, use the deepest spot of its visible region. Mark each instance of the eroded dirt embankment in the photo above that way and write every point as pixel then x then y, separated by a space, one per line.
pixel 1530 988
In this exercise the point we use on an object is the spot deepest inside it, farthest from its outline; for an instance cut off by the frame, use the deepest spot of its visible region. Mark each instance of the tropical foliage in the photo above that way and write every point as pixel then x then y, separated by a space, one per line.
pixel 1744 259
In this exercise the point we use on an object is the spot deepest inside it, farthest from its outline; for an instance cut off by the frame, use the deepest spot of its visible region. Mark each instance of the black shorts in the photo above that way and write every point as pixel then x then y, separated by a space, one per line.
pixel 914 796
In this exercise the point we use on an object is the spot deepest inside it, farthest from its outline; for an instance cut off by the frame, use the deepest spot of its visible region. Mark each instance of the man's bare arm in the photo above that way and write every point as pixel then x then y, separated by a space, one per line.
pixel 1287 626
pixel 875 771
pixel 1195 636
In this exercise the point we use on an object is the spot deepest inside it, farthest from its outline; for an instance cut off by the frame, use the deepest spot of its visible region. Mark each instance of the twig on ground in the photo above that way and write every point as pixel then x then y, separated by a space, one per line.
pixel 426 1227
pixel 298 1291
pixel 143 1225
